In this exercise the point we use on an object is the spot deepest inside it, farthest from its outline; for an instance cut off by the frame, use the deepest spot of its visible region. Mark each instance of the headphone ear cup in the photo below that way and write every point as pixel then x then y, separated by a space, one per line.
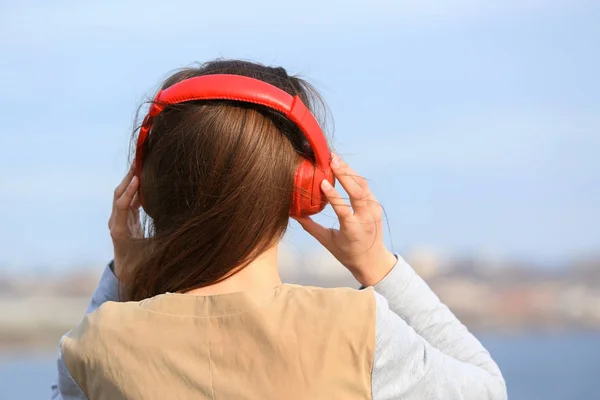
pixel 308 199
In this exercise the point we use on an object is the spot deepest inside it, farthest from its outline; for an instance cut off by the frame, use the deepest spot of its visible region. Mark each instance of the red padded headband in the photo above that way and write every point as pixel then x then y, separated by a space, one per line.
pixel 243 89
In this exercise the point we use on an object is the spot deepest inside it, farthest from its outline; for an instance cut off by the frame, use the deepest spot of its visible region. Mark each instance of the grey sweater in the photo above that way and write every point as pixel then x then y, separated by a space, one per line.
pixel 422 351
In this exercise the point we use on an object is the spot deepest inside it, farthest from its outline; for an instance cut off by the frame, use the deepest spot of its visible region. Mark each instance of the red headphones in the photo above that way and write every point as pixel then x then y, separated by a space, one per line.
pixel 307 198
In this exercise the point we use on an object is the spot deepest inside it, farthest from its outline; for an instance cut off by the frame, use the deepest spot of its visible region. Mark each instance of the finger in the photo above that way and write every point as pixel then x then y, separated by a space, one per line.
pixel 316 230
pixel 134 215
pixel 134 226
pixel 340 207
pixel 135 203
pixel 120 189
pixel 355 185
pixel 122 204
pixel 139 230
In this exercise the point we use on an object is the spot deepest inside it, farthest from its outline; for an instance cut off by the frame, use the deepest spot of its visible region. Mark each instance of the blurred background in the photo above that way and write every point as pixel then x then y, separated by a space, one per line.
pixel 476 121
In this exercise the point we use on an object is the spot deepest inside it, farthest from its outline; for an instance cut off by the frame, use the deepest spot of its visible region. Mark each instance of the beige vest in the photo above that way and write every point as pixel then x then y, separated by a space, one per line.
pixel 292 342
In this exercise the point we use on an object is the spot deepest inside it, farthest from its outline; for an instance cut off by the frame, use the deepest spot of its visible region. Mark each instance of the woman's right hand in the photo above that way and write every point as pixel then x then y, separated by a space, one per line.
pixel 358 244
pixel 124 224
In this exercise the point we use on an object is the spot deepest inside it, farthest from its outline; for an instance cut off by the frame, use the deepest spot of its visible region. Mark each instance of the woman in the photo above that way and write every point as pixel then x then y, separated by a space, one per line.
pixel 226 154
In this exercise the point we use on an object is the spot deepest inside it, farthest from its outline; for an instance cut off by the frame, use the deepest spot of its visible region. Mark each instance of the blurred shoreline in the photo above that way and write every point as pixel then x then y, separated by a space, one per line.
pixel 490 297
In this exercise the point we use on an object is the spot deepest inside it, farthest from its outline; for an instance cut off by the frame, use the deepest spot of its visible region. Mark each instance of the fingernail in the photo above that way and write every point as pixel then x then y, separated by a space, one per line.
pixel 335 161
pixel 325 185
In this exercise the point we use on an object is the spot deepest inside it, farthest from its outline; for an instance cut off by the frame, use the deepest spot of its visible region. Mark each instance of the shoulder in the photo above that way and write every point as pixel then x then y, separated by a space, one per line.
pixel 79 349
pixel 349 308
pixel 331 297
pixel 96 329
pixel 104 317
pixel 338 323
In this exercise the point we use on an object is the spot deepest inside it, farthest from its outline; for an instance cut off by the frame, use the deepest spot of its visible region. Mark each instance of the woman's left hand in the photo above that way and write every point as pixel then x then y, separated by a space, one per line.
pixel 358 244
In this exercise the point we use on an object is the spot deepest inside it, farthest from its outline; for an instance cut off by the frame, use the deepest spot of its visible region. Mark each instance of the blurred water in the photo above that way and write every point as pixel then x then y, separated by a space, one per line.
pixel 564 367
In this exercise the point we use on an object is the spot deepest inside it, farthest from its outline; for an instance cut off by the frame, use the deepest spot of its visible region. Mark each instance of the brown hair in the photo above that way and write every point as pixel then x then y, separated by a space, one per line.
pixel 217 183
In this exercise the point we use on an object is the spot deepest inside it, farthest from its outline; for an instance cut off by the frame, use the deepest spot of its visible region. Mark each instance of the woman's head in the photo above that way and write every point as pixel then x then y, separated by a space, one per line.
pixel 217 182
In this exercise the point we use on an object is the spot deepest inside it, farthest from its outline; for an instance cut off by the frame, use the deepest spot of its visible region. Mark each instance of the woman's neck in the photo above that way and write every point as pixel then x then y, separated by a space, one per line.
pixel 261 273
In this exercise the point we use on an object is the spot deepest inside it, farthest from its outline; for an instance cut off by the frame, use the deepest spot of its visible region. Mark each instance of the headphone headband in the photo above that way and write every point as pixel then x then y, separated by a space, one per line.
pixel 243 89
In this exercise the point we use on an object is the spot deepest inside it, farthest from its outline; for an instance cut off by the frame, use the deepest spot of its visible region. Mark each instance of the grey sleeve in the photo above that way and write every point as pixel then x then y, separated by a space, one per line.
pixel 107 290
pixel 422 350
pixel 65 387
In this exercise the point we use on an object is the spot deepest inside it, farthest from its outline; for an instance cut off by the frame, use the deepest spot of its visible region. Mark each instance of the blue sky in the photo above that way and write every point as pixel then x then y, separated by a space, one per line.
pixel 478 122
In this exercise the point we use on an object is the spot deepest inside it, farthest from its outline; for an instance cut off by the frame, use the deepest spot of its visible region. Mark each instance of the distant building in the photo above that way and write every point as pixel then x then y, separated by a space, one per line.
pixel 426 261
